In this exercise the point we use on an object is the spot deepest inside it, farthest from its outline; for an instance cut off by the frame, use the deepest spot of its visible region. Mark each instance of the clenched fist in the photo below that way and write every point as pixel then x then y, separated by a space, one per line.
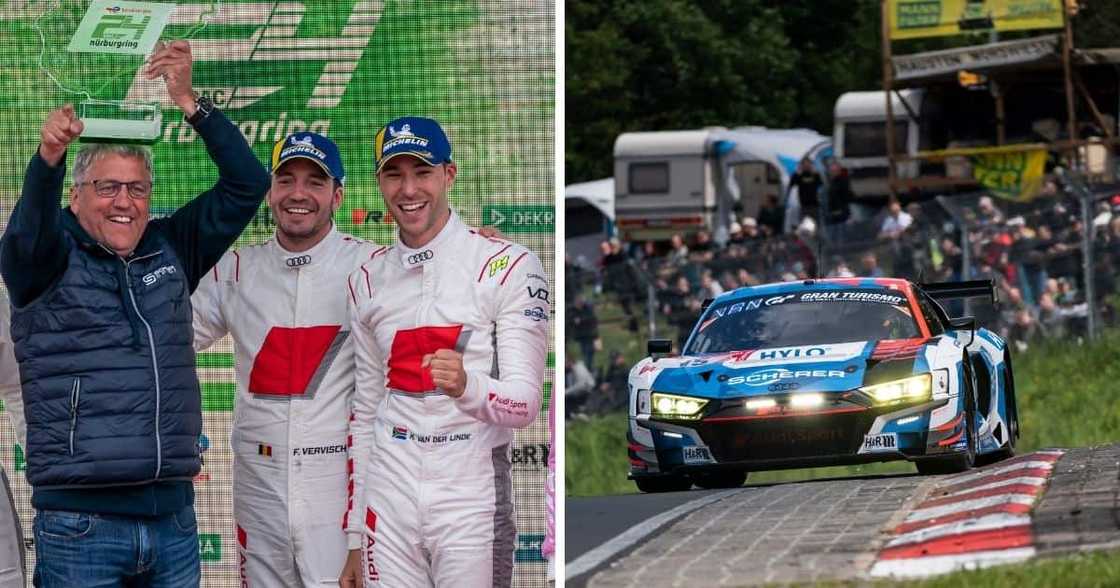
pixel 172 61
pixel 447 371
pixel 59 130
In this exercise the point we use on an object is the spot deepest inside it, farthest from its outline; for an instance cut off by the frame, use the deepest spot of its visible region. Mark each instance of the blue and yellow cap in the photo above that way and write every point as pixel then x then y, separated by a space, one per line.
pixel 412 135
pixel 311 146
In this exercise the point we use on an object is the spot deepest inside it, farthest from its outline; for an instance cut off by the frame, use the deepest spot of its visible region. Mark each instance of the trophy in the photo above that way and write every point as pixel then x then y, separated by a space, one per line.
pixel 112 39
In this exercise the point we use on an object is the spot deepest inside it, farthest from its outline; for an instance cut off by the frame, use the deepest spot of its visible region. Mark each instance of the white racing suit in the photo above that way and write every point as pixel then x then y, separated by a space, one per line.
pixel 11 535
pixel 433 494
pixel 288 316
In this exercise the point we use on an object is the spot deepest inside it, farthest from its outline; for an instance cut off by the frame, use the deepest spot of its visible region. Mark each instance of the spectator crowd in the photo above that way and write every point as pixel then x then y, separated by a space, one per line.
pixel 1032 252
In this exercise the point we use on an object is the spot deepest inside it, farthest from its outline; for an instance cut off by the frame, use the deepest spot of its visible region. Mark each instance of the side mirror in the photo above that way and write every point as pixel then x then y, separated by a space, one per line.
pixel 965 322
pixel 659 346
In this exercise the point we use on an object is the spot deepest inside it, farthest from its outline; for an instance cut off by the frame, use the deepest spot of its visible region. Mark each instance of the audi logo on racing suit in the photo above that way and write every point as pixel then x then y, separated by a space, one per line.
pixel 423 256
pixel 298 260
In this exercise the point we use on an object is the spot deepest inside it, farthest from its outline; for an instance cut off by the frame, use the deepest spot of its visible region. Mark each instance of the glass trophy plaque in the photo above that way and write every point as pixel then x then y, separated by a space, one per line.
pixel 93 51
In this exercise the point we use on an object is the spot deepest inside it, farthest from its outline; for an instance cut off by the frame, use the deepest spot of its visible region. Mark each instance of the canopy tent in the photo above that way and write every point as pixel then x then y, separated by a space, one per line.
pixel 597 193
pixel 781 148
pixel 588 219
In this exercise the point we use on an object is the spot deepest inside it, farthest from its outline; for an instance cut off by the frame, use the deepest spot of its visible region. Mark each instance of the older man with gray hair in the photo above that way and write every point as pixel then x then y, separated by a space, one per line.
pixel 101 321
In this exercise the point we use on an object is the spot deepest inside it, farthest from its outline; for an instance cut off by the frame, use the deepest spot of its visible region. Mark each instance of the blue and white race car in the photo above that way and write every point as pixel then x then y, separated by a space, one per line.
pixel 822 372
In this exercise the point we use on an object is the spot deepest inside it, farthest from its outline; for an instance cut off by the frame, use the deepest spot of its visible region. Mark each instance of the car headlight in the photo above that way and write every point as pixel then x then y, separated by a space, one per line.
pixel 904 390
pixel 677 407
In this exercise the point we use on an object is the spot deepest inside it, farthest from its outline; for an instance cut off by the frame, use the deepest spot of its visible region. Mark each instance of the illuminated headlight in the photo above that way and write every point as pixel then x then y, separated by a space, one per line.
pixel 806 400
pixel 761 403
pixel 677 407
pixel 907 389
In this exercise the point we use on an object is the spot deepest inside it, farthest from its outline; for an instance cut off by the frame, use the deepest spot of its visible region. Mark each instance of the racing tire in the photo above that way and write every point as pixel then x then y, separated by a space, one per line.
pixel 960 462
pixel 663 484
pixel 718 480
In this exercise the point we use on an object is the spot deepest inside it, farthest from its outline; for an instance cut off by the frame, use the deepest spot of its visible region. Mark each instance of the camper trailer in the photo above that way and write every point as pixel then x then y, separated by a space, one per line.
pixel 684 181
pixel 859 136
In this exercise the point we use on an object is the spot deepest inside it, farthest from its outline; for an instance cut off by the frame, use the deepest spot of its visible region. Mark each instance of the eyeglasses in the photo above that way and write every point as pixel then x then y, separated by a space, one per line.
pixel 109 188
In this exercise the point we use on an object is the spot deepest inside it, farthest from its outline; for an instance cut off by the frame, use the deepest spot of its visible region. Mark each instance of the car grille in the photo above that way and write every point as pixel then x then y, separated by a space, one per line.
pixel 785 438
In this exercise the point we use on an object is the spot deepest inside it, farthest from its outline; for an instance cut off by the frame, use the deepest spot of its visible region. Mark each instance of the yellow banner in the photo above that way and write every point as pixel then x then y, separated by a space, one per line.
pixel 910 19
pixel 1013 172
pixel 1014 176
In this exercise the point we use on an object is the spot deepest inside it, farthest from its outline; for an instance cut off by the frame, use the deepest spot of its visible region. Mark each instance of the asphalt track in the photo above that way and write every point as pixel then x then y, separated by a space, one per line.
pixel 1046 503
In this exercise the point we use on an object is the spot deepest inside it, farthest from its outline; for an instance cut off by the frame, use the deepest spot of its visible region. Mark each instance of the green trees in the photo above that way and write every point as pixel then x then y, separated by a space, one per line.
pixel 670 64
pixel 674 64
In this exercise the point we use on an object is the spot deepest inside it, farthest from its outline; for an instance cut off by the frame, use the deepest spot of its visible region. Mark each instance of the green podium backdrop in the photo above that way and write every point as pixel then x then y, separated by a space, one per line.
pixel 484 68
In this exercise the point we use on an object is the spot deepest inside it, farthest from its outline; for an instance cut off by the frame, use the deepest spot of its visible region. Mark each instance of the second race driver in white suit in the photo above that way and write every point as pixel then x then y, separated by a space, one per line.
pixel 451 332
pixel 284 304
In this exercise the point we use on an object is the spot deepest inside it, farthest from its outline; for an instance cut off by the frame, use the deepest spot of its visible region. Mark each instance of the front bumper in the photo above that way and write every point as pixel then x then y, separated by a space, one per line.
pixel 845 433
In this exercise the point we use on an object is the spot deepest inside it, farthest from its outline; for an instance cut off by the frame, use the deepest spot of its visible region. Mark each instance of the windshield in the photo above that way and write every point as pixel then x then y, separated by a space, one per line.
pixel 804 318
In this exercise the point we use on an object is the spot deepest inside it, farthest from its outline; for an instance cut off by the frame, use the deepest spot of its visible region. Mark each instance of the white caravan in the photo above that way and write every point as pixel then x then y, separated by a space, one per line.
pixel 683 181
pixel 859 136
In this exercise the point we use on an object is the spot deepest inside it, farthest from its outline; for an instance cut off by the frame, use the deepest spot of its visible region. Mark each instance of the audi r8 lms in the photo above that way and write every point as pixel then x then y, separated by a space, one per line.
pixel 820 373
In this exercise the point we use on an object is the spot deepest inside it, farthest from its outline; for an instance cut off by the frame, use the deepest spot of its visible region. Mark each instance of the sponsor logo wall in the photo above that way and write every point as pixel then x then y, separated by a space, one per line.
pixel 342 69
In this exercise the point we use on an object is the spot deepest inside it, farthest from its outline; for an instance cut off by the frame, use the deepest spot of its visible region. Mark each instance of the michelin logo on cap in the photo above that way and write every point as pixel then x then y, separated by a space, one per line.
pixel 313 147
pixel 412 135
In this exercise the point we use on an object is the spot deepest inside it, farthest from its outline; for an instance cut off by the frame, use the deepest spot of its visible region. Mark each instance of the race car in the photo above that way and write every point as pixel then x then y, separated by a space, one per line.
pixel 820 373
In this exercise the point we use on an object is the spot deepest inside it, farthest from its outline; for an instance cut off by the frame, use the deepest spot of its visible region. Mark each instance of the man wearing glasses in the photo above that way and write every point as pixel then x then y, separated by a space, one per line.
pixel 101 322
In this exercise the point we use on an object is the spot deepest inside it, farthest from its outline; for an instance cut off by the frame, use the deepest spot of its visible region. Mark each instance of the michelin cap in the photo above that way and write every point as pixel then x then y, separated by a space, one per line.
pixel 312 146
pixel 412 135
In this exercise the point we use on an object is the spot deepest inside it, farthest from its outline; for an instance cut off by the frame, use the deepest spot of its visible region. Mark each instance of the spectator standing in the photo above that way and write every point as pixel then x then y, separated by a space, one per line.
pixel 771 216
pixel 709 287
pixel 808 183
pixel 681 308
pixel 895 222
pixel 840 194
pixel 870 266
pixel 584 327
pixel 621 277
pixel 614 381
pixel 750 230
pixel 988 213
pixel 678 251
pixel 578 384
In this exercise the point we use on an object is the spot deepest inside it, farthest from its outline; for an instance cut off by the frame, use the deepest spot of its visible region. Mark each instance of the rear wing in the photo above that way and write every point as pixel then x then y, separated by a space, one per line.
pixel 962 289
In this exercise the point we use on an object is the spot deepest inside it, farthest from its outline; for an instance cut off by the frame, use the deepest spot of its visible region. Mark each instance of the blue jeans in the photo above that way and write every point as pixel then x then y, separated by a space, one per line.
pixel 94 551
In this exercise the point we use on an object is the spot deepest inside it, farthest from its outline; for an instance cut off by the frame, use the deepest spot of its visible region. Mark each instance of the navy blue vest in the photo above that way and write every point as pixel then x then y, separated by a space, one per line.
pixel 107 367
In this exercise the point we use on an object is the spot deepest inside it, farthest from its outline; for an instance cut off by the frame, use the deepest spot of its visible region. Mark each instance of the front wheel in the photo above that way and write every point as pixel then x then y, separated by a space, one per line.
pixel 663 484
pixel 722 479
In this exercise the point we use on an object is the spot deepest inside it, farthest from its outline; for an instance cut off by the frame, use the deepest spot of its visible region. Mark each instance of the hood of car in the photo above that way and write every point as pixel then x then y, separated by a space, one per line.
pixel 836 367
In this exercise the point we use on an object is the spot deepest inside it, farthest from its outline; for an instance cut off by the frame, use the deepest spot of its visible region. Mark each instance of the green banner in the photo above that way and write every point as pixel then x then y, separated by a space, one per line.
pixel 513 218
